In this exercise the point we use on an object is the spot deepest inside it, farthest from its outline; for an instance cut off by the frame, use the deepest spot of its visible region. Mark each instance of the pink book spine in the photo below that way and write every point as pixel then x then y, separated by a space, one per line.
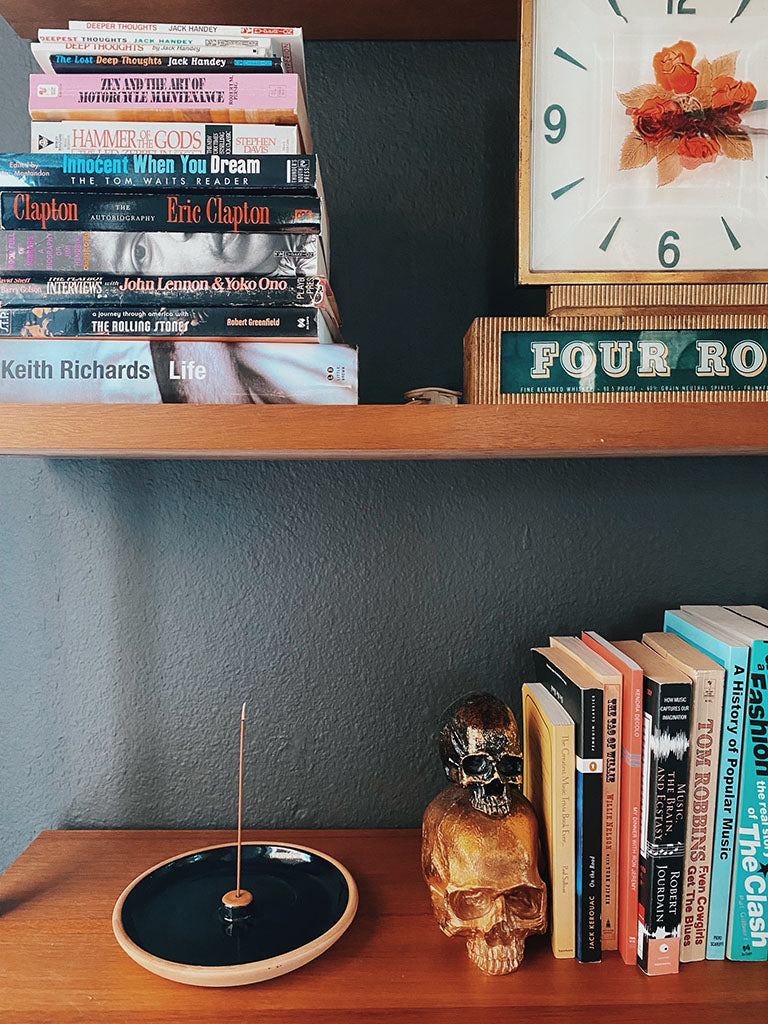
pixel 631 790
pixel 51 94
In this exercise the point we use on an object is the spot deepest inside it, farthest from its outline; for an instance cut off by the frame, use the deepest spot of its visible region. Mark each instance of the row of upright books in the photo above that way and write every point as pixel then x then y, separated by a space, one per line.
pixel 647 764
pixel 166 238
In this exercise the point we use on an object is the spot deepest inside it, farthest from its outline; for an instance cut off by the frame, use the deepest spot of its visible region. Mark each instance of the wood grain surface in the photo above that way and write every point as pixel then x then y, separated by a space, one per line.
pixel 385 431
pixel 60 964
pixel 332 19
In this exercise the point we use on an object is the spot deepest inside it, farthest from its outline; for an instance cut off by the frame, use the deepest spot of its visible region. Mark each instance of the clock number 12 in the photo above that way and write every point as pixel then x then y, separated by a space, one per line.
pixel 669 253
pixel 555 120
pixel 682 7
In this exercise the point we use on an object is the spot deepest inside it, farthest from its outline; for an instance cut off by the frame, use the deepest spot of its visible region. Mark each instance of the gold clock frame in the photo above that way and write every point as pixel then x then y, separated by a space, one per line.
pixel 545 277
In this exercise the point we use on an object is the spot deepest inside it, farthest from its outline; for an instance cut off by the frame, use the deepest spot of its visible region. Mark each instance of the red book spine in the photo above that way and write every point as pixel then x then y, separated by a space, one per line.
pixel 631 790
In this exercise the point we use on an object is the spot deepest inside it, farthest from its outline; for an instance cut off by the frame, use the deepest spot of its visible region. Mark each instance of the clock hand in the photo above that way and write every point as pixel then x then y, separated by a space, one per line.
pixel 614 4
pixel 742 7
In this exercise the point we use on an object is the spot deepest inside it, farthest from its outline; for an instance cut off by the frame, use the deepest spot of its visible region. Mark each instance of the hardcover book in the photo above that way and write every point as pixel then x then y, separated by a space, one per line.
pixel 610 679
pixel 583 701
pixel 294 324
pixel 631 788
pixel 144 253
pixel 733 654
pixel 548 782
pixel 176 370
pixel 708 681
pixel 667 697
pixel 118 290
pixel 204 211
pixel 150 137
pixel 264 99
pixel 747 926
pixel 106 172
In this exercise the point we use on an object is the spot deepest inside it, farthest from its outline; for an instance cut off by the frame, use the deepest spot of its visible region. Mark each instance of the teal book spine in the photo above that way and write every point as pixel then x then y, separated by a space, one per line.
pixel 748 919
pixel 735 661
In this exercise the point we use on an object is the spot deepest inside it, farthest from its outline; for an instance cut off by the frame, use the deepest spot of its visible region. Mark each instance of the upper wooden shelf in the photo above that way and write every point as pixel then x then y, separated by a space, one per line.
pixel 332 19
pixel 61 963
pixel 384 431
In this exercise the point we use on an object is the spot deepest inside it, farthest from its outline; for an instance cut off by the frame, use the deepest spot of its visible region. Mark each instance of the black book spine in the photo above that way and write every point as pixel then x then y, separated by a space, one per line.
pixel 585 706
pixel 248 323
pixel 118 290
pixel 157 171
pixel 666 753
pixel 134 210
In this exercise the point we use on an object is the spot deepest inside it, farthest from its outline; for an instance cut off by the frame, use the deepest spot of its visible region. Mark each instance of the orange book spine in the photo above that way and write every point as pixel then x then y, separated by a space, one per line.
pixel 631 790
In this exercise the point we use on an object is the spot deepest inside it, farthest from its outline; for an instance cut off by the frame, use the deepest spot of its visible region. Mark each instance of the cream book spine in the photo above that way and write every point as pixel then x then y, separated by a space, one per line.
pixel 548 782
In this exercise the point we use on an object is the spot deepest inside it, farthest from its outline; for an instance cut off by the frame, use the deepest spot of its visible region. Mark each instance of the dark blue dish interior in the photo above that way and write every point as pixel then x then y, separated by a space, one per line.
pixel 175 913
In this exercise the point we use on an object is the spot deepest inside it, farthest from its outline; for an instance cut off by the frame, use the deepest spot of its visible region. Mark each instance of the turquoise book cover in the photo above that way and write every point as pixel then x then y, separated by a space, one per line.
pixel 734 657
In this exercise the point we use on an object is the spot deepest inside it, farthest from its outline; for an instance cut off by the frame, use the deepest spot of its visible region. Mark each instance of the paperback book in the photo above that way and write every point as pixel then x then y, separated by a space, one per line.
pixel 606 676
pixel 176 370
pixel 245 323
pixel 631 789
pixel 80 53
pixel 287 42
pixel 106 172
pixel 584 704
pixel 203 211
pixel 548 782
pixel 666 739
pixel 97 137
pixel 747 937
pixel 77 64
pixel 144 253
pixel 707 679
pixel 118 290
pixel 733 654
pixel 268 99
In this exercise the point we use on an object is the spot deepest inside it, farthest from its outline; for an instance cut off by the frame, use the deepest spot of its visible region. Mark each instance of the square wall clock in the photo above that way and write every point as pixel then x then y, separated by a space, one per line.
pixel 644 141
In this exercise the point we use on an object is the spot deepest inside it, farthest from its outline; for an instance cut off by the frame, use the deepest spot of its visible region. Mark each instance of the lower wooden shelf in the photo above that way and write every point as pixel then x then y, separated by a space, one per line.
pixel 384 431
pixel 60 964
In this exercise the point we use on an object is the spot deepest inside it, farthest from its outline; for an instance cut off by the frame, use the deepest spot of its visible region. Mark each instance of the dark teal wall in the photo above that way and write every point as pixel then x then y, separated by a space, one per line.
pixel 141 602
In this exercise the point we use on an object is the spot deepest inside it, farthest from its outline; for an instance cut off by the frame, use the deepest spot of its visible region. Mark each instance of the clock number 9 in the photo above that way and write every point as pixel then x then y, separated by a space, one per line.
pixel 681 7
pixel 555 120
pixel 669 253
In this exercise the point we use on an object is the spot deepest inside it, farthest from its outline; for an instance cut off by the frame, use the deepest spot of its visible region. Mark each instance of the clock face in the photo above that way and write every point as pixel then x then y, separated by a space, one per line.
pixel 644 140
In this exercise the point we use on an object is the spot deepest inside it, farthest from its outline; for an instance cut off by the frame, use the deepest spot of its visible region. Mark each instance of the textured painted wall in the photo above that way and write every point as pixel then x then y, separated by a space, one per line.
pixel 141 602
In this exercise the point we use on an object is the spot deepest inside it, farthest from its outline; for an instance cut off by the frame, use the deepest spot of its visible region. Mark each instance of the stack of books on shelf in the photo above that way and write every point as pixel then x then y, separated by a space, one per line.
pixel 166 239
pixel 647 763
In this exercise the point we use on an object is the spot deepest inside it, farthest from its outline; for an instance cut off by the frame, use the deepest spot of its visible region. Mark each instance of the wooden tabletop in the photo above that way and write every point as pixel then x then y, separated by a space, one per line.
pixel 59 962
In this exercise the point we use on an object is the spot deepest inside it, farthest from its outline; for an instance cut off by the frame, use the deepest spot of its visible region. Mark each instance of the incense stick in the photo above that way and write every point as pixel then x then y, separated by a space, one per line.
pixel 240 801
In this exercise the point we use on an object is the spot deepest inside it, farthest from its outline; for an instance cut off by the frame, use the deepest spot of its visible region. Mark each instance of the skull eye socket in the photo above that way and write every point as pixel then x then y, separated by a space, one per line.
pixel 472 904
pixel 510 767
pixel 478 765
pixel 525 902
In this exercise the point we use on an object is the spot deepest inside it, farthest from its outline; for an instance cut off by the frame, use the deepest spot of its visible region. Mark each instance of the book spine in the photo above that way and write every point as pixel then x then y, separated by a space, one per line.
pixel 106 172
pixel 63 252
pixel 586 709
pixel 174 370
pixel 735 660
pixel 119 290
pixel 196 212
pixel 702 795
pixel 272 99
pixel 76 64
pixel 747 923
pixel 98 137
pixel 666 740
pixel 564 840
pixel 611 793
pixel 296 324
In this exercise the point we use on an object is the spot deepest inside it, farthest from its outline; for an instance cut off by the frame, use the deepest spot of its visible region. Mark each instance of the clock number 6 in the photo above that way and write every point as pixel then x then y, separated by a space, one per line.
pixel 555 120
pixel 681 7
pixel 669 253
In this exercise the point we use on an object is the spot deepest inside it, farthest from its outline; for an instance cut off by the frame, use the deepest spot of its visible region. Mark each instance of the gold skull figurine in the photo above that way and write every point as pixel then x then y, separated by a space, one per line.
pixel 480 840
